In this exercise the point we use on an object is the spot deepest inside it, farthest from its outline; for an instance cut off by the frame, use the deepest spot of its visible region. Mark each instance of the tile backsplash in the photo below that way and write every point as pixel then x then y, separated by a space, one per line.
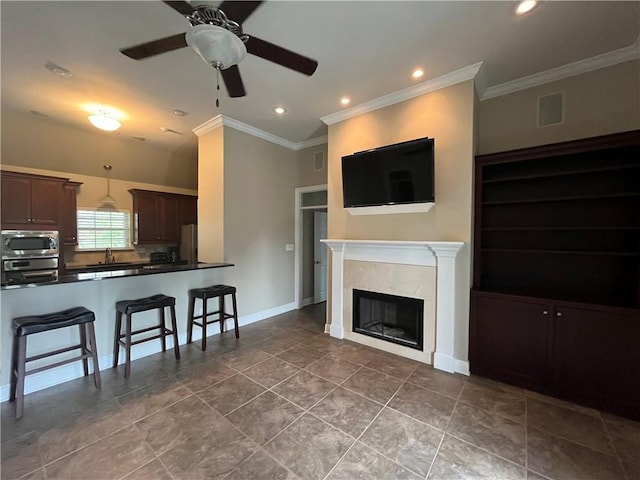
pixel 136 254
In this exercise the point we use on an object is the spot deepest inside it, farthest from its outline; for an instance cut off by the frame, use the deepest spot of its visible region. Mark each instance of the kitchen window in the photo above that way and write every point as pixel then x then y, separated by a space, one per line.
pixel 99 229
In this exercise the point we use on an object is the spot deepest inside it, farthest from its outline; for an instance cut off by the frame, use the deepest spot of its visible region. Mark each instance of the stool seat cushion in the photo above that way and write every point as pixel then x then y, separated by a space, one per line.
pixel 51 321
pixel 212 291
pixel 147 303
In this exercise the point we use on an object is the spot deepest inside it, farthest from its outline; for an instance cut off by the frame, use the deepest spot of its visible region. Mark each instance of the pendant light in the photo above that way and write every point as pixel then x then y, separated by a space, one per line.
pixel 108 199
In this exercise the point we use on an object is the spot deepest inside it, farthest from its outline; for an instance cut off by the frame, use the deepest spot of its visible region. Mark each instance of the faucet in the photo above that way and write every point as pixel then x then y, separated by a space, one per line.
pixel 108 257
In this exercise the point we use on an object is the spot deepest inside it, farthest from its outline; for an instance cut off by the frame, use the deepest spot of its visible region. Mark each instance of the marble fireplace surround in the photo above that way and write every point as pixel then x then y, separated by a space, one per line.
pixel 441 255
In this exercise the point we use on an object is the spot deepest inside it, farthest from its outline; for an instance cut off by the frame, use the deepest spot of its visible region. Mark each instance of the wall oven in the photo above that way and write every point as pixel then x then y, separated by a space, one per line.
pixel 29 256
pixel 19 244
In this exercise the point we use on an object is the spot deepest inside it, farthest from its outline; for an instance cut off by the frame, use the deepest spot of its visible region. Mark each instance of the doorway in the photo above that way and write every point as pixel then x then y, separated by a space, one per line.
pixel 310 254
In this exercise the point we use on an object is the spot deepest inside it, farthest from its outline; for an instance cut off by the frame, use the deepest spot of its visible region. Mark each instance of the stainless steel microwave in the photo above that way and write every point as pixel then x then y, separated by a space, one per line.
pixel 18 244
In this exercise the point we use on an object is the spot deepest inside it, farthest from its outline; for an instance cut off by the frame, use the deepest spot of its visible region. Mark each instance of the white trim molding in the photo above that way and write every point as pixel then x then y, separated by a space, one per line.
pixel 447 80
pixel 608 59
pixel 441 255
pixel 223 120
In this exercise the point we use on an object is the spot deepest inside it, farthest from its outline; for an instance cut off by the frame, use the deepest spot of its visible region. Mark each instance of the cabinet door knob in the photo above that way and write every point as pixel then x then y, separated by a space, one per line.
pixel 545 312
pixel 558 314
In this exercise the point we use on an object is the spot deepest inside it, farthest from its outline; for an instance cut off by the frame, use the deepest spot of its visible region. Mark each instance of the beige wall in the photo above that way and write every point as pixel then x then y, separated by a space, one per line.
pixel 30 141
pixel 448 116
pixel 304 163
pixel 211 188
pixel 250 203
pixel 259 194
pixel 596 103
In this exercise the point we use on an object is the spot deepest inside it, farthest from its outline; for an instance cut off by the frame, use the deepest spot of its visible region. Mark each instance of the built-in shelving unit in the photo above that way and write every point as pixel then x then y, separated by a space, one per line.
pixel 557 228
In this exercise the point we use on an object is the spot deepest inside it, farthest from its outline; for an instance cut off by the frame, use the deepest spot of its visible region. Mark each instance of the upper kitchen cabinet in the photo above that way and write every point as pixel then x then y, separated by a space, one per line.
pixel 188 209
pixel 69 214
pixel 30 201
pixel 157 216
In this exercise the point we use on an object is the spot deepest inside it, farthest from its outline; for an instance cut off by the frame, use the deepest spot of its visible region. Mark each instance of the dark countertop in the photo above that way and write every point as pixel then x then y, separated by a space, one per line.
pixel 100 267
pixel 132 271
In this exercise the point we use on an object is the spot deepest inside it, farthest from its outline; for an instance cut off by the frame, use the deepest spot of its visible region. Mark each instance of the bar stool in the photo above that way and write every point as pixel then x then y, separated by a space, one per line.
pixel 29 325
pixel 204 294
pixel 128 308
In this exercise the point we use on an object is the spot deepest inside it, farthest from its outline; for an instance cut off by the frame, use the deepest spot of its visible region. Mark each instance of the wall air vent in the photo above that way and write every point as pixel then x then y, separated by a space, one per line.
pixel 318 161
pixel 551 109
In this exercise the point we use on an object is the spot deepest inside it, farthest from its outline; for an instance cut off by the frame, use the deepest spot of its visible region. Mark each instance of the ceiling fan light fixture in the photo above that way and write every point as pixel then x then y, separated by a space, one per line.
pixel 104 122
pixel 217 46
pixel 525 6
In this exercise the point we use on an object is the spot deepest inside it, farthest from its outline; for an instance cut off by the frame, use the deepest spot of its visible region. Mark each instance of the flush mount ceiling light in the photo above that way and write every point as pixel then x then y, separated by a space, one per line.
pixel 57 69
pixel 279 110
pixel 104 121
pixel 417 73
pixel 525 6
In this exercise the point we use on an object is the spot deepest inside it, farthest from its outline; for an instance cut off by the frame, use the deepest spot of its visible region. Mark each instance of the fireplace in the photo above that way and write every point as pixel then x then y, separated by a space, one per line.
pixel 389 317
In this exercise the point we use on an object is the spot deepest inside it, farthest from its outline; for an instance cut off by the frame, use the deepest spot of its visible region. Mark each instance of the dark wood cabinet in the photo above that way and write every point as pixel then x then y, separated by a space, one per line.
pixel 30 201
pixel 557 230
pixel 157 216
pixel 511 338
pixel 69 213
pixel 188 210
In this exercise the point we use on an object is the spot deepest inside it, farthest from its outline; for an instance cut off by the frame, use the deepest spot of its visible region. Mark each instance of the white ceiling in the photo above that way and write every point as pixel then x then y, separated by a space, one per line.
pixel 365 50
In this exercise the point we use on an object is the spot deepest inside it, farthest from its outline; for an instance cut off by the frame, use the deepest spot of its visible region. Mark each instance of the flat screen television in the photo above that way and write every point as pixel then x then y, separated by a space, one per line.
pixel 395 174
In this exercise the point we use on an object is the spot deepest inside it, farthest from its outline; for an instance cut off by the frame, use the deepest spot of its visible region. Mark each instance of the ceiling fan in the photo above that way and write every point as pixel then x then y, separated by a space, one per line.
pixel 216 35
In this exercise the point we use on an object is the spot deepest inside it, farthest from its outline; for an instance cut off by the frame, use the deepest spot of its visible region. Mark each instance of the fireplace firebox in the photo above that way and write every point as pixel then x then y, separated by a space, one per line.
pixel 389 317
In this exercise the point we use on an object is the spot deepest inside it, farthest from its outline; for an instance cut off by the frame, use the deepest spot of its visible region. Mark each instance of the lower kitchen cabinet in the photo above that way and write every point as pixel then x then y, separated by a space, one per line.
pixel 585 353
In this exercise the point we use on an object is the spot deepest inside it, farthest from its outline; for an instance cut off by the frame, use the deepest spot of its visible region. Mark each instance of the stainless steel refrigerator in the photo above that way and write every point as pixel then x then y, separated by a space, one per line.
pixel 189 244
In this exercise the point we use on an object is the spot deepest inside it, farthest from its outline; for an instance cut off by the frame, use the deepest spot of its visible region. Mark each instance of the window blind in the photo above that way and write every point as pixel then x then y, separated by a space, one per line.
pixel 99 229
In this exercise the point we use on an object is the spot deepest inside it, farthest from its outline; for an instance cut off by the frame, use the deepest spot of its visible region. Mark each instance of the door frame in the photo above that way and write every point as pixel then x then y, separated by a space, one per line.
pixel 298 239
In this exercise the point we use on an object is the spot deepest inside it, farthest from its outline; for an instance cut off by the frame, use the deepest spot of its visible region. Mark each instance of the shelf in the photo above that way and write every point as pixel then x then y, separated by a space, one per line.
pixel 561 174
pixel 563 199
pixel 556 229
pixel 559 252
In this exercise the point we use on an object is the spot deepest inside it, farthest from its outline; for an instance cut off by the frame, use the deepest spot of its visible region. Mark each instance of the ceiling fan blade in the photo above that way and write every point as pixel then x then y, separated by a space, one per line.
pixel 281 56
pixel 183 8
pixel 155 47
pixel 238 11
pixel 233 81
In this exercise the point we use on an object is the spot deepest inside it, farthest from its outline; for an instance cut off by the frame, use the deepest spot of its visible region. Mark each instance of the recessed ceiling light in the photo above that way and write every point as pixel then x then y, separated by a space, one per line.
pixel 279 110
pixel 345 100
pixel 525 6
pixel 180 113
pixel 417 73
pixel 140 139
pixel 57 69
pixel 39 114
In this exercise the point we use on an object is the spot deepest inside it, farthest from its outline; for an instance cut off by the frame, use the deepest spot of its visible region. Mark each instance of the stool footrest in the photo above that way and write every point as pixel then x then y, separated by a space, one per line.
pixel 58 364
pixel 55 352
pixel 145 339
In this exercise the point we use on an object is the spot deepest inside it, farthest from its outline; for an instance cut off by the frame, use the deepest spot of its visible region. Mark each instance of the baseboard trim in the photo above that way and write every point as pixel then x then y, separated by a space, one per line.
pixel 56 376
pixel 307 301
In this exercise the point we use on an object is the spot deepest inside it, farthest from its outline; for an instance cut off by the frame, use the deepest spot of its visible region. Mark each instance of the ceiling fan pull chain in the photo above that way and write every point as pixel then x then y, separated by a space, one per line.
pixel 217 87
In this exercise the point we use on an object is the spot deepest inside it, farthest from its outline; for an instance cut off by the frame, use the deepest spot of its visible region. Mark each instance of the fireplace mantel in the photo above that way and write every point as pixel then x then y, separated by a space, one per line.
pixel 441 255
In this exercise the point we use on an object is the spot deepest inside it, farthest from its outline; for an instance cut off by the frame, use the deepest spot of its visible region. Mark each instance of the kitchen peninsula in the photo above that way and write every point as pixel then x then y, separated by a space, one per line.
pixel 97 291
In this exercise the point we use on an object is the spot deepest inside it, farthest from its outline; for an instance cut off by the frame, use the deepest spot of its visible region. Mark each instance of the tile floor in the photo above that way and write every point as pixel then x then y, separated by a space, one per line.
pixel 287 402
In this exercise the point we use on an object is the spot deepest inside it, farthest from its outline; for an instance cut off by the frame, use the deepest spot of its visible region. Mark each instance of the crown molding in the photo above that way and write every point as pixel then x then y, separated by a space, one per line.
pixel 223 120
pixel 608 59
pixel 457 76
